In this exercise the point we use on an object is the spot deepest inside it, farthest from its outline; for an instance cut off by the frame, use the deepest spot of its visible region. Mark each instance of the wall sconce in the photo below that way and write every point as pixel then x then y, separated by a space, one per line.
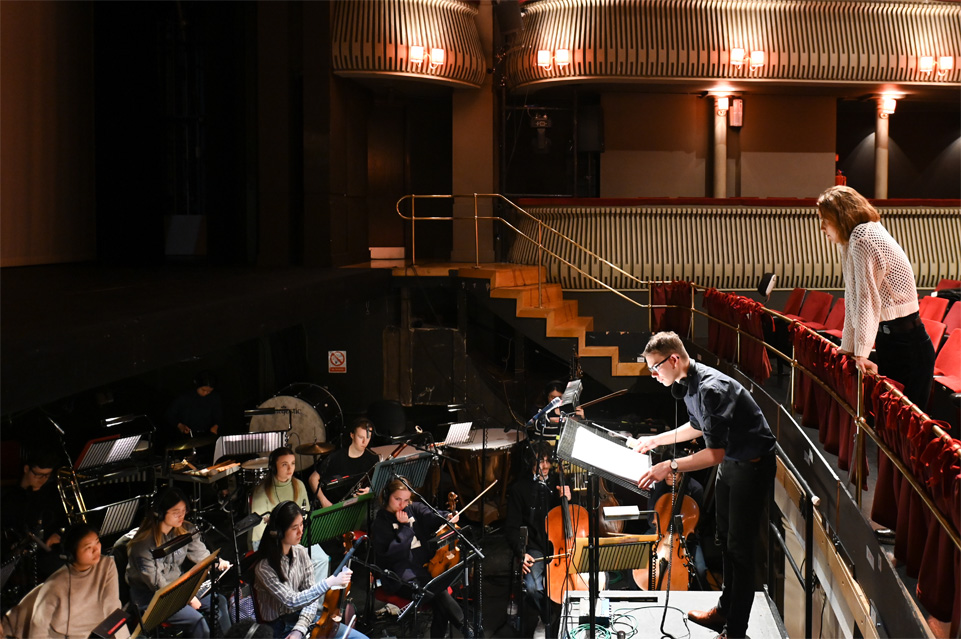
pixel 561 57
pixel 927 64
pixel 722 105
pixel 435 57
pixel 886 106
pixel 739 58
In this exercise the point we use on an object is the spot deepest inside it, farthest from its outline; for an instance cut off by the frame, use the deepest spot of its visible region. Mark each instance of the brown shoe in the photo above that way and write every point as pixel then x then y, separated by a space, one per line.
pixel 712 619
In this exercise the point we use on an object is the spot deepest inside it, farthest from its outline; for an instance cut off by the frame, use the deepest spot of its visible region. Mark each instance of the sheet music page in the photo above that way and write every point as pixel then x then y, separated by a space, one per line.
pixel 614 458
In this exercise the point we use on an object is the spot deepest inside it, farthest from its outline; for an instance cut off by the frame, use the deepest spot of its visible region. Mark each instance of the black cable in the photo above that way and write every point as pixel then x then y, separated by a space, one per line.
pixel 670 528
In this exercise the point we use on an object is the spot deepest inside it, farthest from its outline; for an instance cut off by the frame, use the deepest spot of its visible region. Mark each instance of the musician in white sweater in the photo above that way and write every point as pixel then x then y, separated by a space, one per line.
pixel 880 297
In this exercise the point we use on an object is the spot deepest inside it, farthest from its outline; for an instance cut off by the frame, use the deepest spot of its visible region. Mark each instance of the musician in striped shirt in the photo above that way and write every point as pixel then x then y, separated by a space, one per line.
pixel 287 597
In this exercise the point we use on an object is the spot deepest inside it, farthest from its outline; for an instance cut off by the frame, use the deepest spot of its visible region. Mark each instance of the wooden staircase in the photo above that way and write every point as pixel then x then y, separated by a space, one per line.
pixel 519 282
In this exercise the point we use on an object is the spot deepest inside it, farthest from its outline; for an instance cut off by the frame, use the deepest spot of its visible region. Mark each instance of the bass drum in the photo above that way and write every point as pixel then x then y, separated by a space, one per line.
pixel 316 417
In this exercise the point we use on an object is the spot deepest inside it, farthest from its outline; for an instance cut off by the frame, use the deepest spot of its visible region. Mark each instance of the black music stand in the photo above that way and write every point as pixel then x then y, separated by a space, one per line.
pixel 175 596
pixel 114 517
pixel 106 450
pixel 248 443
pixel 614 553
pixel 412 467
pixel 333 521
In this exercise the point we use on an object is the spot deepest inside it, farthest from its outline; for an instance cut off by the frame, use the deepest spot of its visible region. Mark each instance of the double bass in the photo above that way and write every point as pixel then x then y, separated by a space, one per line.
pixel 564 524
pixel 685 506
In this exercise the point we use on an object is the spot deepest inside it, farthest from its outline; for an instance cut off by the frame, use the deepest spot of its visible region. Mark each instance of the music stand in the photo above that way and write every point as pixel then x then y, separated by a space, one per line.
pixel 333 521
pixel 412 467
pixel 458 433
pixel 572 394
pixel 601 452
pixel 443 581
pixel 615 553
pixel 175 596
pixel 248 443
pixel 106 450
pixel 117 517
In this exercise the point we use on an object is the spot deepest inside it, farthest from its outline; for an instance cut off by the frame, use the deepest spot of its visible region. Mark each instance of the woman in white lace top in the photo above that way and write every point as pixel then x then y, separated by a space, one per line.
pixel 881 300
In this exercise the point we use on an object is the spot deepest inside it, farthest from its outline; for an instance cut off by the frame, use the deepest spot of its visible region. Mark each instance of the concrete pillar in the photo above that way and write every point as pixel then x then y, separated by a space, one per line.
pixel 474 142
pixel 881 154
pixel 720 148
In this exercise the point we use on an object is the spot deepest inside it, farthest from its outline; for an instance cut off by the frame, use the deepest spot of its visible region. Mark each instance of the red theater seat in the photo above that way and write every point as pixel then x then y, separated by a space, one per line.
pixel 945 284
pixel 953 318
pixel 835 320
pixel 933 308
pixel 947 367
pixel 935 332
pixel 815 309
pixel 793 305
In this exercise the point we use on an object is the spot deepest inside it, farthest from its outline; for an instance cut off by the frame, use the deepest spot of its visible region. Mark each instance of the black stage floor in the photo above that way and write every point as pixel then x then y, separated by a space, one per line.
pixel 68 328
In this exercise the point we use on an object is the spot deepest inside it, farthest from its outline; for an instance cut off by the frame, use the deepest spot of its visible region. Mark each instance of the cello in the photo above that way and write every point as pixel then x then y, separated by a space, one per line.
pixel 686 507
pixel 334 608
pixel 564 523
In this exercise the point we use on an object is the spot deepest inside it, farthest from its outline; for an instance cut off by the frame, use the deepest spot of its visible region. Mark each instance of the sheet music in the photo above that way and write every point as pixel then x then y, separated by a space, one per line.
pixel 616 459
pixel 458 433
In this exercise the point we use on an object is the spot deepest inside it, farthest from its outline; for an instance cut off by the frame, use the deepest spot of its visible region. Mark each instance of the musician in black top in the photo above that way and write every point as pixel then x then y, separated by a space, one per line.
pixel 400 534
pixel 529 501
pixel 344 468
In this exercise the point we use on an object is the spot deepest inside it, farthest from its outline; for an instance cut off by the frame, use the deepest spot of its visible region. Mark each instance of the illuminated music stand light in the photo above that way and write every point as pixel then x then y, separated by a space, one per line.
pixel 175 596
pixel 333 521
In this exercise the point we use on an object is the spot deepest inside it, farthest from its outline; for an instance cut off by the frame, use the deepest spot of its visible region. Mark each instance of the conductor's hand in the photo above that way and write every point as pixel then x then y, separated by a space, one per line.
pixel 195 603
pixel 402 516
pixel 527 564
pixel 657 473
pixel 341 579
pixel 645 444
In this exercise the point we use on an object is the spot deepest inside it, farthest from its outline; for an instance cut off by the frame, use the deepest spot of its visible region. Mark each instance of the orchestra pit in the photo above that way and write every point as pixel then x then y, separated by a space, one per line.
pixel 604 319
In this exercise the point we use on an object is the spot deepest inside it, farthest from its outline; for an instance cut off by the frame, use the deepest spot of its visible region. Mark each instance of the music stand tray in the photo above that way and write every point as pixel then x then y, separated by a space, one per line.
pixel 333 521
pixel 598 451
pixel 614 553
pixel 412 467
pixel 175 596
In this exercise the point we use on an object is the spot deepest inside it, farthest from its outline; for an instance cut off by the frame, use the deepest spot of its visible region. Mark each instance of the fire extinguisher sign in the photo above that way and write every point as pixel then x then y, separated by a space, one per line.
pixel 336 361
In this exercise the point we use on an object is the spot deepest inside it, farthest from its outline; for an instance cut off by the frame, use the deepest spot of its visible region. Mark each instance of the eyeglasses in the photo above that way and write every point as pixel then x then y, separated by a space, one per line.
pixel 40 475
pixel 655 367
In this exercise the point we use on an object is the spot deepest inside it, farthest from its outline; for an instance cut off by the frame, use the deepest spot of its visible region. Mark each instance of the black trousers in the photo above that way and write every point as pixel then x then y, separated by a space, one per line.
pixel 445 610
pixel 743 491
pixel 907 358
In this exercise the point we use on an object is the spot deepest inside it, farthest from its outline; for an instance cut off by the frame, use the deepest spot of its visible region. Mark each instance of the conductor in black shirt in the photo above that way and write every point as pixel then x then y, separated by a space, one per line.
pixel 737 437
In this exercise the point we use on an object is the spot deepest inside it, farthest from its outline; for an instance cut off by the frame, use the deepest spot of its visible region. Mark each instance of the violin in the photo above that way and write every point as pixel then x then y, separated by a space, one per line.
pixel 564 523
pixel 686 507
pixel 334 609
pixel 448 553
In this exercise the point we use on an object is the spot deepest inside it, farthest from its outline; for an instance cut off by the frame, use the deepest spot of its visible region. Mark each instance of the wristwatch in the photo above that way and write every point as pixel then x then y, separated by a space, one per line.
pixel 674 465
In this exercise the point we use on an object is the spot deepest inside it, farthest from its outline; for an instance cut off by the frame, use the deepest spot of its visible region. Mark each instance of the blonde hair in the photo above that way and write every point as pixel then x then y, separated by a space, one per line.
pixel 845 208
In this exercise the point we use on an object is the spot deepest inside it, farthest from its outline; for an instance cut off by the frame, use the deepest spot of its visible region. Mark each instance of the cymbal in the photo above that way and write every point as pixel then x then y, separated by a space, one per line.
pixel 316 448
pixel 193 442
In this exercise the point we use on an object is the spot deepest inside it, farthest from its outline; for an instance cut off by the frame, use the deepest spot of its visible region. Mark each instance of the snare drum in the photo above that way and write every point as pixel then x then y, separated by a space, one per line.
pixel 466 474
pixel 253 471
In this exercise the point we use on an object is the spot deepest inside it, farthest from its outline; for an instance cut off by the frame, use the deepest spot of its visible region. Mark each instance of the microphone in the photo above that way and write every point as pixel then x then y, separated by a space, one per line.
pixel 173 545
pixel 554 403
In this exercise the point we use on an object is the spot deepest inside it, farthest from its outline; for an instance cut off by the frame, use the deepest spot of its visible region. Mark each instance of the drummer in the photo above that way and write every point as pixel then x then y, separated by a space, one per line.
pixel 279 486
pixel 336 475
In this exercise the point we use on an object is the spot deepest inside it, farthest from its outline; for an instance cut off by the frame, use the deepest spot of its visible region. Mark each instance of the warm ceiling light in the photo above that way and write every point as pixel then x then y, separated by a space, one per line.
pixel 757 59
pixel 416 54
pixel 926 64
pixel 544 58
pixel 562 57
pixel 946 63
pixel 887 106
pixel 723 104
pixel 436 57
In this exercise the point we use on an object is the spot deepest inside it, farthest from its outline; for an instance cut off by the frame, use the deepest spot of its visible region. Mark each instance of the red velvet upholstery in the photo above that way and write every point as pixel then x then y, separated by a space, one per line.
pixel 946 284
pixel 793 305
pixel 933 307
pixel 815 309
pixel 948 362
pixel 953 318
pixel 935 331
pixel 835 320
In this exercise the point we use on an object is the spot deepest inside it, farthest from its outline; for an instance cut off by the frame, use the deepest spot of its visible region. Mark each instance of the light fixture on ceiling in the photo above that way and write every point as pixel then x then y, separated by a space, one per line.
pixel 928 64
pixel 886 105
pixel 418 54
pixel 739 58
pixel 722 104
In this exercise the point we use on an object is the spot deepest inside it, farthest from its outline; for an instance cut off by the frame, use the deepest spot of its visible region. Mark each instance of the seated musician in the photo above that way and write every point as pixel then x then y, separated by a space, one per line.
pixel 146 575
pixel 399 534
pixel 287 595
pixel 32 507
pixel 549 426
pixel 529 501
pixel 78 596
pixel 279 486
pixel 346 464
pixel 198 411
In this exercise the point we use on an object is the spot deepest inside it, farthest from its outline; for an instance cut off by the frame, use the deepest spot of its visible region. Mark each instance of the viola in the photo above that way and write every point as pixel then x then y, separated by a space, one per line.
pixel 564 523
pixel 334 609
pixel 676 552
pixel 448 552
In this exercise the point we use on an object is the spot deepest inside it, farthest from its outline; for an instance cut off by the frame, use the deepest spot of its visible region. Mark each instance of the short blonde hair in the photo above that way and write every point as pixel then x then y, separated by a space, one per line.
pixel 666 343
pixel 845 208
